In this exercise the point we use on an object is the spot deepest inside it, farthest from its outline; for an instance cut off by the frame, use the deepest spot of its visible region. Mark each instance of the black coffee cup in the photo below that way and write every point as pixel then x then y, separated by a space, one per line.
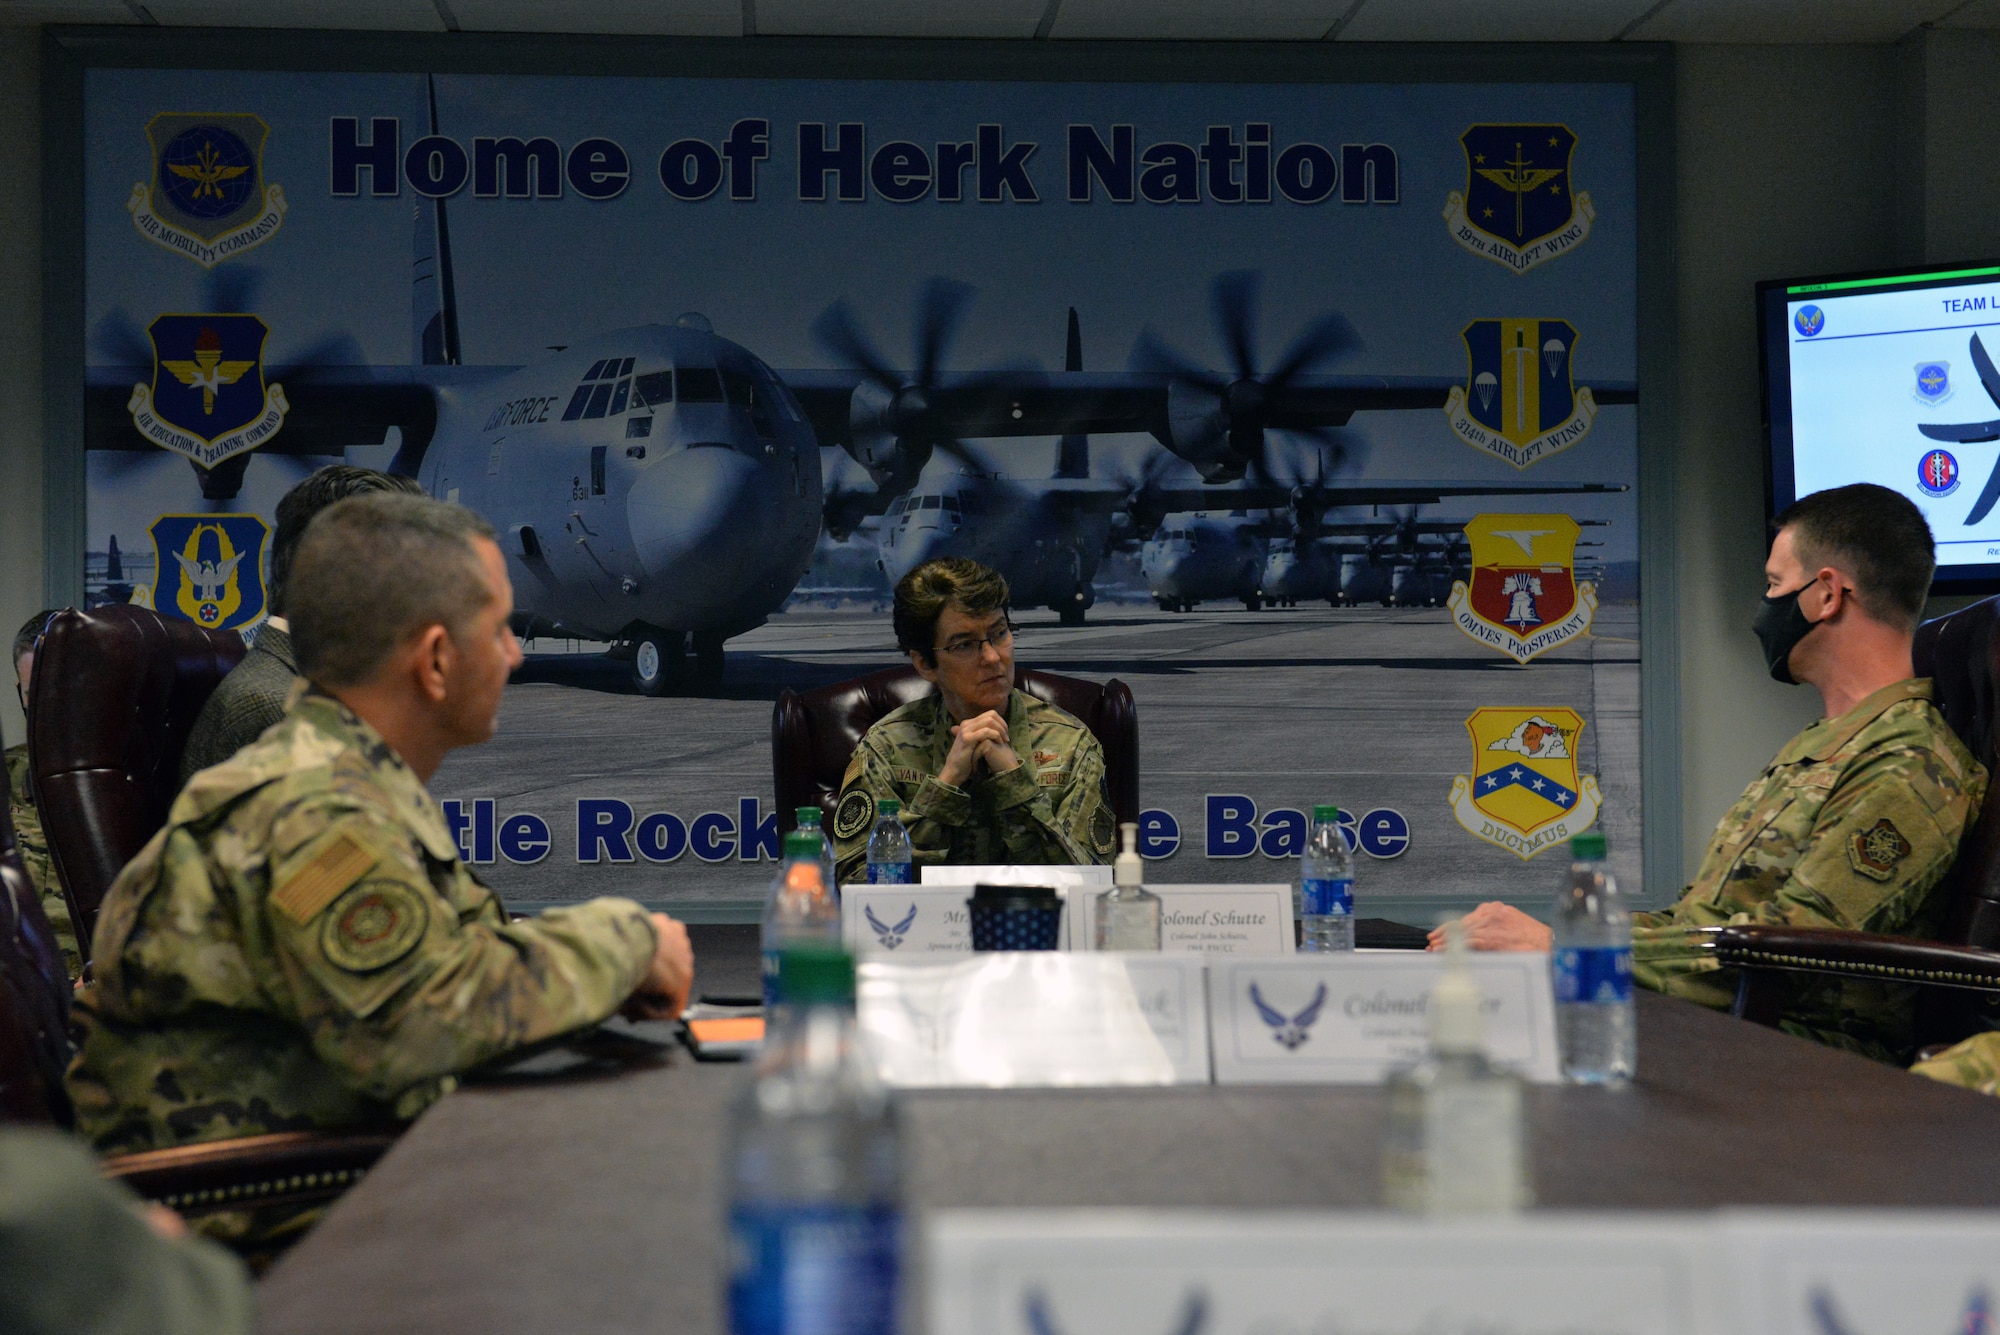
pixel 1015 917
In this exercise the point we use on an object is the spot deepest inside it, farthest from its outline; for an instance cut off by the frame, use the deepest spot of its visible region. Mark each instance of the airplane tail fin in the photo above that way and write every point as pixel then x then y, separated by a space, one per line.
pixel 433 295
pixel 1073 451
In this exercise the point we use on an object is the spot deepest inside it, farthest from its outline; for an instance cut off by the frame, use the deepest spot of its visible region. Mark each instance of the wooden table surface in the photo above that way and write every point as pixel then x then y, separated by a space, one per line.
pixel 591 1202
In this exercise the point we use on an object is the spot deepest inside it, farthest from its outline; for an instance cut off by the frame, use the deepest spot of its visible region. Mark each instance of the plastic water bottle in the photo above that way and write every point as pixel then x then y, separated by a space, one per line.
pixel 809 823
pixel 1128 917
pixel 889 846
pixel 1592 972
pixel 1326 889
pixel 815 1185
pixel 798 911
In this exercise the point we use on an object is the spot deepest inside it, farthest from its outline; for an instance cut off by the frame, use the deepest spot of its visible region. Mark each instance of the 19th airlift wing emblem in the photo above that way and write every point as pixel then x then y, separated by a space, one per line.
pixel 207 199
pixel 1520 401
pixel 1524 793
pixel 208 399
pixel 1523 598
pixel 1518 209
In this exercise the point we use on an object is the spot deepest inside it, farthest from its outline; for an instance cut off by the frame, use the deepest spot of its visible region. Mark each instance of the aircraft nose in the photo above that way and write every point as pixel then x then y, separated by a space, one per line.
pixel 705 513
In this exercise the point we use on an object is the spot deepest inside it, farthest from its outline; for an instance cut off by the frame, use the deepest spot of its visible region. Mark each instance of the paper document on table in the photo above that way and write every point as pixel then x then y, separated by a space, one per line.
pixel 1062 876
pixel 1020 1021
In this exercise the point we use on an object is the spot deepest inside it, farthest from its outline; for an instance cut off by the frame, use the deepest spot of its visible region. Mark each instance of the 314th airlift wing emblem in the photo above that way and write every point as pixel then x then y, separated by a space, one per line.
pixel 1523 598
pixel 1518 209
pixel 1520 402
pixel 1524 793
pixel 208 399
pixel 210 569
pixel 207 199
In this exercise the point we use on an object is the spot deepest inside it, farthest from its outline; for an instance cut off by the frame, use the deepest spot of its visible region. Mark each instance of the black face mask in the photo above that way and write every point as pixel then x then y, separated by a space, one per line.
pixel 1780 625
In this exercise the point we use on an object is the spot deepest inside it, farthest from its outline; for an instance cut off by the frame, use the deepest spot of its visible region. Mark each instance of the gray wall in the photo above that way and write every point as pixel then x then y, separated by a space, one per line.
pixel 1792 160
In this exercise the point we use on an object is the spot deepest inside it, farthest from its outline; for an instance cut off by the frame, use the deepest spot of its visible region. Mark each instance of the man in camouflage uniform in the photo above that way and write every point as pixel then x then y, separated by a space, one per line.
pixel 984 773
pixel 1973 1064
pixel 301 946
pixel 1857 819
pixel 28 836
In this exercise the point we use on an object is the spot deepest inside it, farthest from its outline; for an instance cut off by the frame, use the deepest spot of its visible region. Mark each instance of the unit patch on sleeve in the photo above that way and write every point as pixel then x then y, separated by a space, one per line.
pixel 851 817
pixel 374 925
pixel 1876 851
pixel 315 885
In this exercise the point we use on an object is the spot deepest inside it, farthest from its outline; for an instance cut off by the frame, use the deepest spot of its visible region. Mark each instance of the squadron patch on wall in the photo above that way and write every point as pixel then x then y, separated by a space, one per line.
pixel 1524 793
pixel 208 400
pixel 211 569
pixel 1518 209
pixel 207 199
pixel 1523 599
pixel 852 816
pixel 1520 402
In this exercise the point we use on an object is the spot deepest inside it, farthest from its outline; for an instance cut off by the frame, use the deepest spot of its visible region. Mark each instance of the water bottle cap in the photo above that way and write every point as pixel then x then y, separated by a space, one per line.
pixel 798 845
pixel 1326 811
pixel 808 815
pixel 1587 847
pixel 888 806
pixel 810 973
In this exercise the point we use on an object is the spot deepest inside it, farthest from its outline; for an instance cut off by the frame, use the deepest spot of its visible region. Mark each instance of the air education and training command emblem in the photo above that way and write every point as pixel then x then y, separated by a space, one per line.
pixel 1524 793
pixel 1520 402
pixel 208 399
pixel 1523 599
pixel 208 200
pixel 1518 209
pixel 211 569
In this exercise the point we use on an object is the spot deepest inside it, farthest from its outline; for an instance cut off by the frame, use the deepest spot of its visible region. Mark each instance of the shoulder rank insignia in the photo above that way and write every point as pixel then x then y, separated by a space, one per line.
pixel 854 814
pixel 1874 852
pixel 1518 208
pixel 1520 402
pixel 1524 793
pixel 207 199
pixel 1523 598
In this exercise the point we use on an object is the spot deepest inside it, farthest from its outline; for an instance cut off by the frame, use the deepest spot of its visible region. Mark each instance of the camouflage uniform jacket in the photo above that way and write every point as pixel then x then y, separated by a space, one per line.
pixel 1973 1064
pixel 34 847
pixel 244 703
pixel 1852 825
pixel 301 947
pixel 1052 808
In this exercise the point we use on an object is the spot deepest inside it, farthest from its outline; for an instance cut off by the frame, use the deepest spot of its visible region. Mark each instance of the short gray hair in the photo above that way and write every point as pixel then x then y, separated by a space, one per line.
pixel 374 570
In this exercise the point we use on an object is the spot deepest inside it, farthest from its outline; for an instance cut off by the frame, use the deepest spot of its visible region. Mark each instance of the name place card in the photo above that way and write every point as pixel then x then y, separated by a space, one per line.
pixel 1206 919
pixel 1352 1018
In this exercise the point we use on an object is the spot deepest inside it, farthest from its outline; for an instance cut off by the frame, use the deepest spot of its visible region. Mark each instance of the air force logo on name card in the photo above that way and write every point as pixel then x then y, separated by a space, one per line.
pixel 208 399
pixel 1520 402
pixel 1523 598
pixel 1933 383
pixel 1524 793
pixel 207 199
pixel 1518 209
pixel 211 569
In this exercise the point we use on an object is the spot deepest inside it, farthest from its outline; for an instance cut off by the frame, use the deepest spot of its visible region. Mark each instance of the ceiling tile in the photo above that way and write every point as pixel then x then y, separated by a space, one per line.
pixel 1239 20
pixel 1787 20
pixel 65 11
pixel 672 18
pixel 1978 14
pixel 395 15
pixel 901 18
pixel 1483 21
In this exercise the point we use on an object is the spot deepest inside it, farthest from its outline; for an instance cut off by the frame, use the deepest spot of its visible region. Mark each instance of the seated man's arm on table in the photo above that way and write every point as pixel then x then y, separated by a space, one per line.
pixel 398 986
pixel 1041 824
pixel 1973 1064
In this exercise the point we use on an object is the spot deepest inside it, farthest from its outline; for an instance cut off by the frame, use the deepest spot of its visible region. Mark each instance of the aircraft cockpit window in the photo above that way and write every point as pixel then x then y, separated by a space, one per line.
pixel 618 397
pixel 624 368
pixel 700 384
pixel 600 399
pixel 773 391
pixel 653 387
pixel 932 503
pixel 951 503
pixel 596 370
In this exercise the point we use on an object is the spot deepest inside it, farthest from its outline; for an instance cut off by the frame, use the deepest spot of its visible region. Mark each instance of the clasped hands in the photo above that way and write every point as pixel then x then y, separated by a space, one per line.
pixel 982 738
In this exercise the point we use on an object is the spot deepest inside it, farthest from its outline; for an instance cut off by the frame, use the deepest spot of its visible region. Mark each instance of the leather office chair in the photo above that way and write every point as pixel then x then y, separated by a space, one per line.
pixel 116 692
pixel 34 995
pixel 1960 973
pixel 813 734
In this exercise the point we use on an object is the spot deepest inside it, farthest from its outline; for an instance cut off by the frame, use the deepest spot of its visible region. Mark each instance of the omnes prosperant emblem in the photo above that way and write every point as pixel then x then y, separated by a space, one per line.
pixel 1520 402
pixel 207 200
pixel 1524 793
pixel 211 569
pixel 208 399
pixel 1523 599
pixel 1518 208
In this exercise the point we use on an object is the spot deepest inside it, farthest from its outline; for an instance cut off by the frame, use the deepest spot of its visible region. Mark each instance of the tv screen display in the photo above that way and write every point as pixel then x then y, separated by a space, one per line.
pixel 1891 378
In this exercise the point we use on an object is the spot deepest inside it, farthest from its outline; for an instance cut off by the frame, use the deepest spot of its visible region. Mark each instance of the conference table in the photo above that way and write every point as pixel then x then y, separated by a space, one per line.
pixel 589 1198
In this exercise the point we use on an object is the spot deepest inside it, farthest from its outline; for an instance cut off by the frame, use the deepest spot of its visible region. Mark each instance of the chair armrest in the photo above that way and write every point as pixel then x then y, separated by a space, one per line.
pixel 285 1168
pixel 1853 954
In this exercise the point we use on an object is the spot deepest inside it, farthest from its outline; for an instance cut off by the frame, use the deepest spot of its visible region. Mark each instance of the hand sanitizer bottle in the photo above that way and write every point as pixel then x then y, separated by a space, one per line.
pixel 1128 917
pixel 1454 1142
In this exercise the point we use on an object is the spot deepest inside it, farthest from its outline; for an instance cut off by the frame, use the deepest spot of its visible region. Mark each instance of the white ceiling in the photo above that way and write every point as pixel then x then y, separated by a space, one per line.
pixel 1218 20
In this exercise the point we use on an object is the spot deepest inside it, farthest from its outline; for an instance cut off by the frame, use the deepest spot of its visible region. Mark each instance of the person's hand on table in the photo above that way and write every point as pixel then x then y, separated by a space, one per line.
pixel 663 993
pixel 1497 926
pixel 983 737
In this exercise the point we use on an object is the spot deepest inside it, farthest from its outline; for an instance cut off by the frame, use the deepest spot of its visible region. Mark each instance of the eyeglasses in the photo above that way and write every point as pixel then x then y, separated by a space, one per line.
pixel 1001 637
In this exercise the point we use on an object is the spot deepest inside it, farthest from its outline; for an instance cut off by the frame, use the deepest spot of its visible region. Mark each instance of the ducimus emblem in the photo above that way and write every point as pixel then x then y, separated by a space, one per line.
pixel 1517 208
pixel 1523 598
pixel 208 399
pixel 1524 793
pixel 1520 401
pixel 207 199
pixel 211 569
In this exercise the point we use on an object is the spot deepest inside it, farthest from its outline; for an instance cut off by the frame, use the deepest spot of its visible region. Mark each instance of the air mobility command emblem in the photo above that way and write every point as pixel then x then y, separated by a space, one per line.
pixel 1523 598
pixel 1933 383
pixel 1518 208
pixel 207 199
pixel 1524 793
pixel 208 399
pixel 211 568
pixel 1519 401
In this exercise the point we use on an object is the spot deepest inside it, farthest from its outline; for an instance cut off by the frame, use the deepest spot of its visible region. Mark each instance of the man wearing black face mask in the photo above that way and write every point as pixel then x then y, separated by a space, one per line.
pixel 1858 818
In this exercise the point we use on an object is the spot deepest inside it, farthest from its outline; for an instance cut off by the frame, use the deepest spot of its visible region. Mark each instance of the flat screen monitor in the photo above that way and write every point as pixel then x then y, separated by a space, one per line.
pixel 1890 378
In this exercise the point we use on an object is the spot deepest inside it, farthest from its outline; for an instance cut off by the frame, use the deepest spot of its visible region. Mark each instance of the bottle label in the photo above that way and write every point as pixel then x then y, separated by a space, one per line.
pixel 1592 974
pixel 813 1269
pixel 890 873
pixel 1326 898
pixel 770 982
